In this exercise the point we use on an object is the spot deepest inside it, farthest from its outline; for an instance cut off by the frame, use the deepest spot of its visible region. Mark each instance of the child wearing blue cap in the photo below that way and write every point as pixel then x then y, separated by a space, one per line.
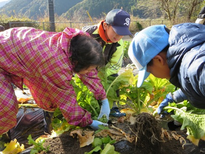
pixel 178 55
pixel 109 34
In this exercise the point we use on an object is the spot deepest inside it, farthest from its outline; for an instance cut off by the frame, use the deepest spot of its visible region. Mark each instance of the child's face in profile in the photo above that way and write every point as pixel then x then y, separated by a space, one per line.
pixel 111 34
pixel 159 67
pixel 87 70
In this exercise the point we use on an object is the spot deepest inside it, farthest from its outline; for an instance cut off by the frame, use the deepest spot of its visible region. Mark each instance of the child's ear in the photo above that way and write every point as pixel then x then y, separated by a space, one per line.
pixel 159 59
pixel 105 25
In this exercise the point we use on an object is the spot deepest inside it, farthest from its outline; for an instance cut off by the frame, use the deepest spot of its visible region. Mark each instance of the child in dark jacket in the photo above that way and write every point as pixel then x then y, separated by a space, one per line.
pixel 109 34
pixel 178 55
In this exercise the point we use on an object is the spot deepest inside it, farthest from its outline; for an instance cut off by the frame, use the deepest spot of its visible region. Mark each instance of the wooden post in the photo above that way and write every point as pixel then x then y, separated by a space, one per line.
pixel 51 15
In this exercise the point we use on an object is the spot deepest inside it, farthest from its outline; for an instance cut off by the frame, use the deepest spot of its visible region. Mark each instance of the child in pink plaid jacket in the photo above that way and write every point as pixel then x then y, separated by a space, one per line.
pixel 45 62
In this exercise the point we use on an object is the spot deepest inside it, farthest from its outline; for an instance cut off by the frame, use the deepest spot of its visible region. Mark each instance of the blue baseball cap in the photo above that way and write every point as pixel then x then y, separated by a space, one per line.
pixel 145 46
pixel 119 20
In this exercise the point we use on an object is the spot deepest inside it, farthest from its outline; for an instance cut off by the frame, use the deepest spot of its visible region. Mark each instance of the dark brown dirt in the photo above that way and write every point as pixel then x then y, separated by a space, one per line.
pixel 149 140
pixel 65 144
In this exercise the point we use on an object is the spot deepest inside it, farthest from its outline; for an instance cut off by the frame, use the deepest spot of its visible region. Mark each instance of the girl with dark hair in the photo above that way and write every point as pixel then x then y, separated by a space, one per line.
pixel 84 57
pixel 45 62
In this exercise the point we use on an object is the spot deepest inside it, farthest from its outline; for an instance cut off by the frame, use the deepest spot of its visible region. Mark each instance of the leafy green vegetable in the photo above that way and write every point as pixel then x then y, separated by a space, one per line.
pixel 107 139
pixel 101 143
pixel 109 149
pixel 124 80
pixel 157 88
pixel 59 124
pixel 38 147
pixel 103 119
pixel 97 142
pixel 125 48
pixel 96 149
pixel 85 97
pixel 153 89
pixel 194 122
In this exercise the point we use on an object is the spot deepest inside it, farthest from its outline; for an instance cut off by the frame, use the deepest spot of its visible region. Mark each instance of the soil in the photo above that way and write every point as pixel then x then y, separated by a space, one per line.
pixel 146 135
pixel 134 134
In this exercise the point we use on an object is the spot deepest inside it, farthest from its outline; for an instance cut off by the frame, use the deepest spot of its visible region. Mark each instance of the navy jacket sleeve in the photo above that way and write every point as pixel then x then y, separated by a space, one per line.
pixel 179 96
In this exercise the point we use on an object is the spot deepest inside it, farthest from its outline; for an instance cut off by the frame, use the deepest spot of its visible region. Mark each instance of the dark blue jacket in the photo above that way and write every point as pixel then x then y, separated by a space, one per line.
pixel 186 60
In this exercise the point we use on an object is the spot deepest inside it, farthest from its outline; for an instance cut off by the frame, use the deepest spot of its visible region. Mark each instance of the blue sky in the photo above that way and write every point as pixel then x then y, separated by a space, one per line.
pixel 3 2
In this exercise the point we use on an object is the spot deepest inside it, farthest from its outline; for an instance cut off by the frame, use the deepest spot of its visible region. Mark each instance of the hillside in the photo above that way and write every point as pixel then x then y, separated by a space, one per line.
pixel 78 9
pixel 98 9
pixel 74 9
pixel 35 9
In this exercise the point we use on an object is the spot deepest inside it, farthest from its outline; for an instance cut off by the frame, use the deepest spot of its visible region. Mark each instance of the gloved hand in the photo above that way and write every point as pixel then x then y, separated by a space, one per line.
pixel 105 109
pixel 95 124
pixel 164 103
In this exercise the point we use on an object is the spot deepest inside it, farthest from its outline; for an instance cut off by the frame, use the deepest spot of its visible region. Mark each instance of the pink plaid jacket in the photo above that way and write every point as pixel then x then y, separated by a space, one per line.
pixel 40 59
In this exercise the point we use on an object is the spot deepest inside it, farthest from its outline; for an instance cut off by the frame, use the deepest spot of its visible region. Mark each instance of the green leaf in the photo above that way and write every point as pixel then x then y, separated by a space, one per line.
pixel 38 147
pixel 109 149
pixel 103 119
pixel 30 140
pixel 33 151
pixel 194 123
pixel 85 97
pixel 106 140
pixel 97 142
pixel 96 149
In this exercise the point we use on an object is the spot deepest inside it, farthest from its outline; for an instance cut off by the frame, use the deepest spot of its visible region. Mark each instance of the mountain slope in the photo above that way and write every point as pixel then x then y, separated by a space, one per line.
pixel 76 9
pixel 35 9
pixel 98 8
pixel 70 9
